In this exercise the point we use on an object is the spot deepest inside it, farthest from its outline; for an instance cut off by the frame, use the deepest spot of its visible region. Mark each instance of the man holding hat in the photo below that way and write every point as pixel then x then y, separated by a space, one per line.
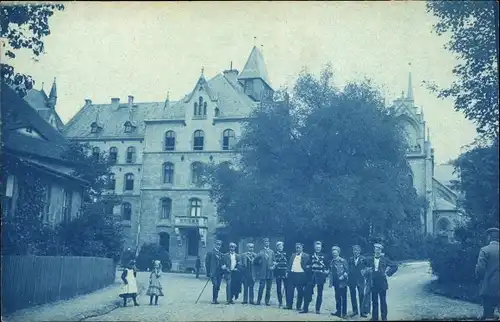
pixel 297 267
pixel 488 271
pixel 381 267
pixel 356 280
pixel 214 264
pixel 265 265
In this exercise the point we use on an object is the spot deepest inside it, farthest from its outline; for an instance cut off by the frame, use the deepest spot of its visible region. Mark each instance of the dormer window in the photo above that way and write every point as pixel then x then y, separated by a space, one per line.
pixel 29 130
pixel 129 127
pixel 95 128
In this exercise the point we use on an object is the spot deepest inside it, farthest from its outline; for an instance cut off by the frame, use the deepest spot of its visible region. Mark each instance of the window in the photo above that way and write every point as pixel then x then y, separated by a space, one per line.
pixel 130 154
pixel 217 112
pixel 129 182
pixel 168 172
pixel 47 195
pixel 195 207
pixel 29 130
pixel 170 141
pixel 195 112
pixel 112 181
pixel 164 241
pixel 193 242
pixel 205 108
pixel 228 139
pixel 199 138
pixel 67 201
pixel 200 105
pixel 94 128
pixel 196 171
pixel 249 87
pixel 166 208
pixel 126 211
pixel 128 127
pixel 109 207
pixel 96 153
pixel 113 154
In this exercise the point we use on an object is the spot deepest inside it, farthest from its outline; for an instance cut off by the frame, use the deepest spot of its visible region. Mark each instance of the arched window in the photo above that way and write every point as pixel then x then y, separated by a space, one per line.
pixel 129 182
pixel 199 139
pixel 195 108
pixel 200 105
pixel 164 241
pixel 195 207
pixel 96 152
pixel 205 108
pixel 228 139
pixel 112 181
pixel 126 211
pixel 217 112
pixel 170 141
pixel 168 172
pixel 166 208
pixel 113 154
pixel 196 171
pixel 131 154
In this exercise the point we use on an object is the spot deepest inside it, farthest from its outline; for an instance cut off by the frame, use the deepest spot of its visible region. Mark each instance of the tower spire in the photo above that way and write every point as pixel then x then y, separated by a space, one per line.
pixel 409 93
pixel 53 95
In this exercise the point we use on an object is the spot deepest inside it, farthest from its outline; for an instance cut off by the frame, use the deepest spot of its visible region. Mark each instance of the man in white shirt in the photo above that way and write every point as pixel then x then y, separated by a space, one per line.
pixel 233 279
pixel 298 265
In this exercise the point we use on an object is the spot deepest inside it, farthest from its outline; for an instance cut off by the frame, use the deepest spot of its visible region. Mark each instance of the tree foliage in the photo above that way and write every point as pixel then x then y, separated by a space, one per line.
pixel 473 30
pixel 23 26
pixel 326 164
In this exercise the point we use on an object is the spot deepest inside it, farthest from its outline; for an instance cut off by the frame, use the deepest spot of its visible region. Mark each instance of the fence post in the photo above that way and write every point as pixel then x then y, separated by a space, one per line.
pixel 61 272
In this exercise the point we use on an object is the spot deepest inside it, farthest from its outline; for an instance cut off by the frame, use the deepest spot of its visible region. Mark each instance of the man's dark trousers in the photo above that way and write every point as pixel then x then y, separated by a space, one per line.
pixel 354 302
pixel 296 281
pixel 489 304
pixel 267 283
pixel 281 281
pixel 309 293
pixel 379 293
pixel 216 280
pixel 341 300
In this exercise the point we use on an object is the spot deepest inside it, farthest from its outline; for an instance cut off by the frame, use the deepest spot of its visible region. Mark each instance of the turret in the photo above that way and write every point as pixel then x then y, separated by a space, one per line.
pixel 51 103
pixel 254 77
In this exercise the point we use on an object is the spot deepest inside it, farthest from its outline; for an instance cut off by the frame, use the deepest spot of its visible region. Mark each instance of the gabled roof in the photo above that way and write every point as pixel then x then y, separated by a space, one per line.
pixel 255 67
pixel 206 87
pixel 17 113
pixel 444 173
pixel 37 98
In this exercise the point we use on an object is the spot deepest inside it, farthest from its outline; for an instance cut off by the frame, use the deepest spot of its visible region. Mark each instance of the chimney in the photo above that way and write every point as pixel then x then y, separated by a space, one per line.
pixel 88 102
pixel 115 102
pixel 130 101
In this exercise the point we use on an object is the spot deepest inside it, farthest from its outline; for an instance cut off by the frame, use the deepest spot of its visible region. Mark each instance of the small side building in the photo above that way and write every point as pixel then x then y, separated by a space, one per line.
pixel 31 145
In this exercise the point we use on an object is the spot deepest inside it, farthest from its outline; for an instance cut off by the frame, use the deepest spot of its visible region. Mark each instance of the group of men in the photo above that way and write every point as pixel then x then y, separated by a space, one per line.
pixel 366 277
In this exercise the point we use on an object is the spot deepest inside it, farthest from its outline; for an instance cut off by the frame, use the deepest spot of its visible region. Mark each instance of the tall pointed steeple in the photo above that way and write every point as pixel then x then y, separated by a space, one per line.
pixel 53 95
pixel 409 93
pixel 255 67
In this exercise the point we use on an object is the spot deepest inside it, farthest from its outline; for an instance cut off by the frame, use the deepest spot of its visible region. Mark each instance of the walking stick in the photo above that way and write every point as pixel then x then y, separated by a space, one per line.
pixel 208 280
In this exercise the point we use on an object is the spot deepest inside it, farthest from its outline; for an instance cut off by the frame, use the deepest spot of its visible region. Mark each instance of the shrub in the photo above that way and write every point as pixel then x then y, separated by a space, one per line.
pixel 150 252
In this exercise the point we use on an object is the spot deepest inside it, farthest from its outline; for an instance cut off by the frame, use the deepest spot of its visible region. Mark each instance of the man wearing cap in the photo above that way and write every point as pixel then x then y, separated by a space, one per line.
pixel 380 267
pixel 214 265
pixel 488 271
pixel 339 272
pixel 297 267
pixel 232 262
pixel 265 265
pixel 318 274
pixel 248 273
pixel 356 280
pixel 280 272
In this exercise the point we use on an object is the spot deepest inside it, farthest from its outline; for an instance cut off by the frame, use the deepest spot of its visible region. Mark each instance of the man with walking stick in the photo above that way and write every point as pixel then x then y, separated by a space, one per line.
pixel 487 271
pixel 215 266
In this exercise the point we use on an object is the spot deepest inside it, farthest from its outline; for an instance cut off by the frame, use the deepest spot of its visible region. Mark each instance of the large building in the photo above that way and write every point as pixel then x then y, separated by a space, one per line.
pixel 158 146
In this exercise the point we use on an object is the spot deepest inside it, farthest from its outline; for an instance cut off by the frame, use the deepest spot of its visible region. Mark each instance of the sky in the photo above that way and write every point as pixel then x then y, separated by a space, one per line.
pixel 100 50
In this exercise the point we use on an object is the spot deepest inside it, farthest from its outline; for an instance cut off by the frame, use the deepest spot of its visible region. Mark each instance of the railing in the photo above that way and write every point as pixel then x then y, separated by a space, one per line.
pixel 188 221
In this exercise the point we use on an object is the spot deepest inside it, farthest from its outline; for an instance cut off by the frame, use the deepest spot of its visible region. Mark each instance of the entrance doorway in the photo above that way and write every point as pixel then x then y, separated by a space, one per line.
pixel 193 242
pixel 165 241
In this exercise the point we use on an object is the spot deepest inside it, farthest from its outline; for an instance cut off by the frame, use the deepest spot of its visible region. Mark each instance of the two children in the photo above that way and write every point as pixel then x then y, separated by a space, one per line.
pixel 129 289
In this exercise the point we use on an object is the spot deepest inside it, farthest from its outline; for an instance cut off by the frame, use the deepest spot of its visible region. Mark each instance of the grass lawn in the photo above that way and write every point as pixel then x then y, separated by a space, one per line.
pixel 467 292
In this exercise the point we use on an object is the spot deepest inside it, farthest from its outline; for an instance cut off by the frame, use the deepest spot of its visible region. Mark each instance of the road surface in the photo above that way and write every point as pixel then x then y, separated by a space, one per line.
pixel 407 300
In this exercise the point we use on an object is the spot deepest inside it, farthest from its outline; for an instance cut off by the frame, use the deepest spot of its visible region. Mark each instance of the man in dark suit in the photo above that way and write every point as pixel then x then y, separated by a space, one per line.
pixel 248 273
pixel 356 281
pixel 381 267
pixel 265 265
pixel 214 264
pixel 232 262
pixel 318 274
pixel 297 268
pixel 487 270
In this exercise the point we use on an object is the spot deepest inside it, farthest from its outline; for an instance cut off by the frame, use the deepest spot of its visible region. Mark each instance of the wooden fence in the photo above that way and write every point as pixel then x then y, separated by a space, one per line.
pixel 34 280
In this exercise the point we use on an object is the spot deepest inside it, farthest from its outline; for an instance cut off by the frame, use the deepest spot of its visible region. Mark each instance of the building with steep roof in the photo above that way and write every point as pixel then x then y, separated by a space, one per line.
pixel 158 147
pixel 45 105
pixel 33 150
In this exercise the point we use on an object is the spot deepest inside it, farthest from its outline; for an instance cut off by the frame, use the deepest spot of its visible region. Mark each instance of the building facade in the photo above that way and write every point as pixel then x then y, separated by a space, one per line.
pixel 158 147
pixel 32 146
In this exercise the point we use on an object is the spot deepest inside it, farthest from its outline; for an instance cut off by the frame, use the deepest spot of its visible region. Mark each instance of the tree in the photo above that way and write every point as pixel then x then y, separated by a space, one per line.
pixel 473 27
pixel 326 164
pixel 24 26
